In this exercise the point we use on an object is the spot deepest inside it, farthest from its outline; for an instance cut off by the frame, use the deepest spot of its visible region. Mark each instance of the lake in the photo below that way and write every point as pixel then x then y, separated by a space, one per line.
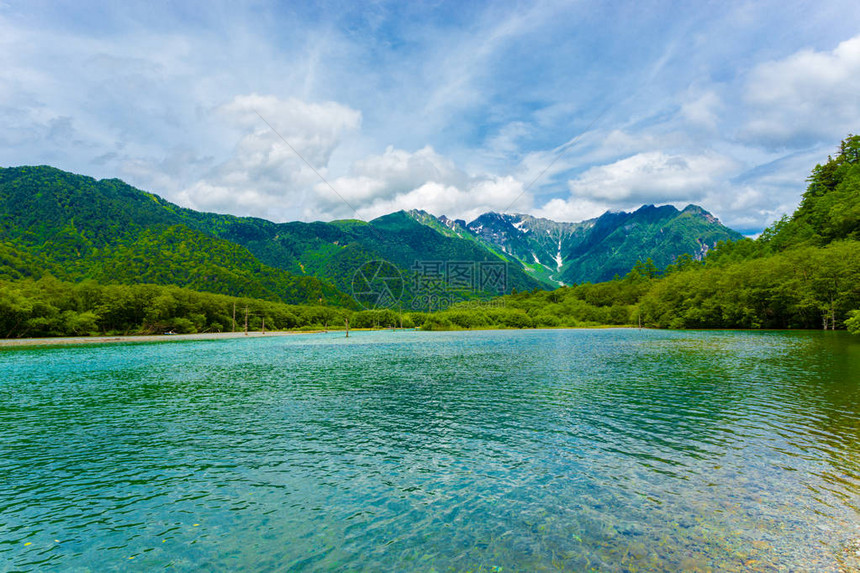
pixel 612 450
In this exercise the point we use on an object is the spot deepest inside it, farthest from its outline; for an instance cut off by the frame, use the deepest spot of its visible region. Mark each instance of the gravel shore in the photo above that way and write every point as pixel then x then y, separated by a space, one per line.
pixel 78 340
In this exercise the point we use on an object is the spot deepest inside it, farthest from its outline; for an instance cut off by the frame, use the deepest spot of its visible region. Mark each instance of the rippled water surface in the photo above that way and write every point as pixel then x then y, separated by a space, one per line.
pixel 613 450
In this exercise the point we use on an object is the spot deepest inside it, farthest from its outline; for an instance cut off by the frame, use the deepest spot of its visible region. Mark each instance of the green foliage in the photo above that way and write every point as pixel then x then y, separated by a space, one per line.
pixel 683 263
pixel 853 322
pixel 797 289
pixel 610 303
pixel 49 307
pixel 76 228
pixel 438 321
pixel 830 209
pixel 646 270
pixel 729 252
pixel 618 241
pixel 17 263
pixel 188 258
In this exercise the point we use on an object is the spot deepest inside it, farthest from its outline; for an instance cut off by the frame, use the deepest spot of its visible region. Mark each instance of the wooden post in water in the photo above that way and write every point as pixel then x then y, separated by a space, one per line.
pixel 246 321
pixel 346 320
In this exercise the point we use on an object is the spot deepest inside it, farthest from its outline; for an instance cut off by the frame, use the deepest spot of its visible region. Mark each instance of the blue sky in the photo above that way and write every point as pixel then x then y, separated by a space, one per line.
pixel 559 109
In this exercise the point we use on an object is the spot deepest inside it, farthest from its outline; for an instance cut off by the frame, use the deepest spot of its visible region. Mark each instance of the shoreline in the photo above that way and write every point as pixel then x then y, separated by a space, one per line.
pixel 9 343
pixel 6 343
pixel 141 338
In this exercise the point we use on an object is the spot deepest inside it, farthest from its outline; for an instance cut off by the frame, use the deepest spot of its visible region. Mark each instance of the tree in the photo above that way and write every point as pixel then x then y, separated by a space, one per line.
pixel 853 322
pixel 640 271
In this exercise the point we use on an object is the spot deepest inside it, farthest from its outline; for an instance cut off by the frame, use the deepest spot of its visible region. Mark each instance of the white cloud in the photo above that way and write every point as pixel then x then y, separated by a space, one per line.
pixel 749 207
pixel 809 97
pixel 506 141
pixel 263 176
pixel 401 171
pixel 702 110
pixel 652 177
pixel 573 210
pixel 756 198
pixel 426 180
pixel 313 129
pixel 468 203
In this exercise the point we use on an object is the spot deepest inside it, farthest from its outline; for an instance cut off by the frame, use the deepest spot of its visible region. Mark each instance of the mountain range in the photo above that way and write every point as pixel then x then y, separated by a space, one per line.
pixel 597 249
pixel 77 228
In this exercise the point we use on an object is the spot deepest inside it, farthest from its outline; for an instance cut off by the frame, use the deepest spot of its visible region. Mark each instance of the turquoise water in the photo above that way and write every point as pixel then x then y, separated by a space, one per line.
pixel 613 450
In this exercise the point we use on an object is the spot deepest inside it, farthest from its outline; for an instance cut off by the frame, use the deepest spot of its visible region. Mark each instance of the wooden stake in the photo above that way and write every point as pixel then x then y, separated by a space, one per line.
pixel 246 321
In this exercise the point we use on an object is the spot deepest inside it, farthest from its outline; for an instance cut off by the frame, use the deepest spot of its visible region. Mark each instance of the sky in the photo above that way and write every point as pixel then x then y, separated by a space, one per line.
pixel 328 110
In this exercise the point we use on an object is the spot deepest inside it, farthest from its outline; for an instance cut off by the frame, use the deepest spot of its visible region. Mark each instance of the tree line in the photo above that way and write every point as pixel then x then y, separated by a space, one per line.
pixel 803 288
pixel 51 307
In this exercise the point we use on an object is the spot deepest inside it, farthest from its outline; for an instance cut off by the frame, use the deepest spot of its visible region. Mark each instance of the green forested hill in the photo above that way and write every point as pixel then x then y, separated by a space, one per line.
pixel 617 240
pixel 76 228
pixel 803 272
pixel 333 251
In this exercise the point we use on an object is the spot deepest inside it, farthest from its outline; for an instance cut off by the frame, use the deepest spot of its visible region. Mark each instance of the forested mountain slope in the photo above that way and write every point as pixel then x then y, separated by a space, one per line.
pixel 616 241
pixel 333 251
pixel 598 249
pixel 76 228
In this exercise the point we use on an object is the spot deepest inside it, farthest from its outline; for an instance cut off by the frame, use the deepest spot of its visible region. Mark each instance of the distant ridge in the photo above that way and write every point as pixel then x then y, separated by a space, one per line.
pixel 596 249
pixel 76 228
